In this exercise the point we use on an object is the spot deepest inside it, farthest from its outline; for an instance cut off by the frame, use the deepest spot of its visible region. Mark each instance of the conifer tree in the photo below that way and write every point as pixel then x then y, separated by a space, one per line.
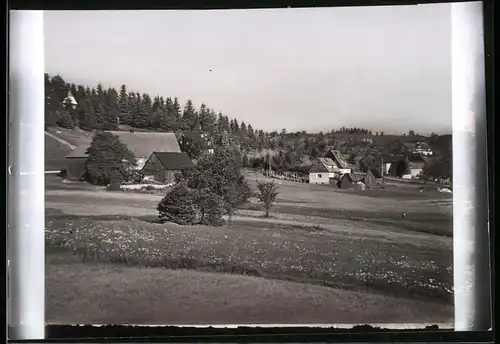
pixel 124 106
pixel 189 116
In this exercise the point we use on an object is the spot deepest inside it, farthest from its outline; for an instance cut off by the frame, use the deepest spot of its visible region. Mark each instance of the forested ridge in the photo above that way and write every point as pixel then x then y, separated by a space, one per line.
pixel 100 108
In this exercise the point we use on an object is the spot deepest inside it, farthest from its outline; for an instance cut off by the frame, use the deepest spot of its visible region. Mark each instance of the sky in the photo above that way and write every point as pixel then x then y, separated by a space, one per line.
pixel 381 68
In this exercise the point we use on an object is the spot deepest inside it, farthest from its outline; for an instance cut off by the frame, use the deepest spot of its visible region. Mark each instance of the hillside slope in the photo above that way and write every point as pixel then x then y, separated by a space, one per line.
pixel 55 153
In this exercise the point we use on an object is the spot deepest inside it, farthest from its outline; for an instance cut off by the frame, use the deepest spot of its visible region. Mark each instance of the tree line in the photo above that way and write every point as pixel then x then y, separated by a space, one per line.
pixel 100 108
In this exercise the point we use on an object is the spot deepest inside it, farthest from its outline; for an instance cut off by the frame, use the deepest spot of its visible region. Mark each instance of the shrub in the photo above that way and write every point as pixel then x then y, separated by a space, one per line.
pixel 178 206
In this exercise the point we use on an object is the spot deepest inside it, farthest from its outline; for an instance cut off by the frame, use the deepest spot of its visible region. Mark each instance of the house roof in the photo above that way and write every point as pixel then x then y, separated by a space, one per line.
pixel 329 164
pixel 174 160
pixel 337 157
pixel 142 144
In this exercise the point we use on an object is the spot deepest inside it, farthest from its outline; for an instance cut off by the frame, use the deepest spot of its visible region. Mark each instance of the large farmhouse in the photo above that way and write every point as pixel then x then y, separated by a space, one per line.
pixel 141 144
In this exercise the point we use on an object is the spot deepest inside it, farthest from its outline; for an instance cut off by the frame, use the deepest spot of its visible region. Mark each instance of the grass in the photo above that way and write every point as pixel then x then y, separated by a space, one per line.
pixel 296 253
pixel 429 222
pixel 96 293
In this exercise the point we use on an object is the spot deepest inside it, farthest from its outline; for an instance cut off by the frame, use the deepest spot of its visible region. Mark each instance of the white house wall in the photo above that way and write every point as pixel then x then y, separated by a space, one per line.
pixel 415 172
pixel 319 178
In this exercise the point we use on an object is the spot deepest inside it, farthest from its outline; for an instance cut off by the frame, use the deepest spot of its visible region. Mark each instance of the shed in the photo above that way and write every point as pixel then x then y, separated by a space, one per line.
pixel 347 181
pixel 163 165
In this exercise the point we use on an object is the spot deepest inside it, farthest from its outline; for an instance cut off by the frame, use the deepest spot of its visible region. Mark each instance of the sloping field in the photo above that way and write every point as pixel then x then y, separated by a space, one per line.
pixel 94 293
pixel 55 153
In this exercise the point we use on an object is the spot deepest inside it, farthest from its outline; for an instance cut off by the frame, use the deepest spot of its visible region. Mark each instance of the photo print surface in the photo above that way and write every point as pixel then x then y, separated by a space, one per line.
pixel 281 166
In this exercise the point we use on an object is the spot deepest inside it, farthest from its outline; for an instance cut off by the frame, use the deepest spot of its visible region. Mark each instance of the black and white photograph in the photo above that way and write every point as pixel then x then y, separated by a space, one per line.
pixel 254 166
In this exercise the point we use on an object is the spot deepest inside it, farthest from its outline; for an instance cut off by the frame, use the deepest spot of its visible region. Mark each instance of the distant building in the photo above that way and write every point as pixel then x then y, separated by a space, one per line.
pixel 162 166
pixel 416 165
pixel 70 100
pixel 141 144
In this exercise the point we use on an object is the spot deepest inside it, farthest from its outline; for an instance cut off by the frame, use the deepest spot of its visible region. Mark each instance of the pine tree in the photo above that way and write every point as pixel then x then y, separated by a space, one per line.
pixel 137 111
pixel 169 120
pixel 86 115
pixel 145 112
pixel 50 119
pixel 177 109
pixel 124 106
pixel 189 116
pixel 112 109
pixel 156 104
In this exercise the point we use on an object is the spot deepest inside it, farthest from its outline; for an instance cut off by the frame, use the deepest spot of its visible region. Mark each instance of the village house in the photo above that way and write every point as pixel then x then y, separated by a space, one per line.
pixel 323 171
pixel 162 166
pixel 141 144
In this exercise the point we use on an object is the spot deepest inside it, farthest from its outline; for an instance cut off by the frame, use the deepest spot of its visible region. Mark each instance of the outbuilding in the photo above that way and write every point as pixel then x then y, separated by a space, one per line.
pixel 162 166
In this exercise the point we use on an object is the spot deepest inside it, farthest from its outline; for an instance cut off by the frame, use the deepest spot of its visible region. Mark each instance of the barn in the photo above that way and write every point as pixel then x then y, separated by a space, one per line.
pixel 162 166
pixel 347 181
pixel 141 144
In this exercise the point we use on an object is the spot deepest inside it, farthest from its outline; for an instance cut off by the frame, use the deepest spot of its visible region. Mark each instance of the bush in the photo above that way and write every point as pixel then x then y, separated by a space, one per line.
pixel 178 206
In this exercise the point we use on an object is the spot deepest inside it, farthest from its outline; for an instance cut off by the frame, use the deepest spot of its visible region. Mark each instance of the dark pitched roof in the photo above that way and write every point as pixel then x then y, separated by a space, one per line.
pixel 337 157
pixel 174 160
pixel 142 144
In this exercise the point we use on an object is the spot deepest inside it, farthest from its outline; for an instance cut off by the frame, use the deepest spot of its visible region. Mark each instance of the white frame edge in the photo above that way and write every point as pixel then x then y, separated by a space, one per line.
pixel 26 203
pixel 470 190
